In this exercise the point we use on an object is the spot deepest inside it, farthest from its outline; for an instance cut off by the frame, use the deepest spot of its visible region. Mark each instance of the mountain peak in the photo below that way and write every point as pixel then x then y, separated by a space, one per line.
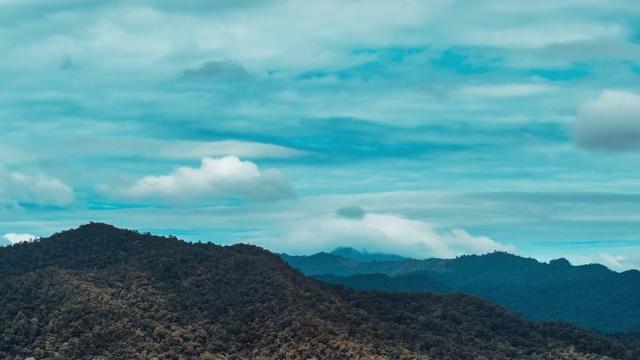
pixel 561 262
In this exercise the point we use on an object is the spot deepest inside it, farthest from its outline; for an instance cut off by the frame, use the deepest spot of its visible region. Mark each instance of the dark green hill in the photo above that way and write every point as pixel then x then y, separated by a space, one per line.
pixel 589 295
pixel 98 292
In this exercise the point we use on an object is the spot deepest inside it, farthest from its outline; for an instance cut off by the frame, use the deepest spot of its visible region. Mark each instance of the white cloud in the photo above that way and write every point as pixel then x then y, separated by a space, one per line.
pixel 18 238
pixel 621 262
pixel 384 233
pixel 610 122
pixel 215 178
pixel 17 188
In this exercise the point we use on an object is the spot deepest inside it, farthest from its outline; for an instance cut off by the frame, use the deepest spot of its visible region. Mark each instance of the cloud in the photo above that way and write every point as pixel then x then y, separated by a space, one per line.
pixel 508 90
pixel 385 233
pixel 345 80
pixel 611 122
pixel 353 212
pixel 18 238
pixel 621 262
pixel 245 149
pixel 206 6
pixel 68 64
pixel 217 69
pixel 215 178
pixel 161 149
pixel 17 189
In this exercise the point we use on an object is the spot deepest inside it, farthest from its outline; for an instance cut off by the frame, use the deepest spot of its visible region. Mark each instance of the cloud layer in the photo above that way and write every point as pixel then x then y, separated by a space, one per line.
pixel 396 108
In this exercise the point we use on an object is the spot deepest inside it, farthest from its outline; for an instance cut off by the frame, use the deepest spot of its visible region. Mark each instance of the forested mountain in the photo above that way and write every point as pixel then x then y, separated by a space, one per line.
pixel 589 295
pixel 98 292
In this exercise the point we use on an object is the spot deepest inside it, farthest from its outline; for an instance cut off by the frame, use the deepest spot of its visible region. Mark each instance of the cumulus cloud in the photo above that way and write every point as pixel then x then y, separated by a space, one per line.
pixel 385 233
pixel 17 188
pixel 351 212
pixel 18 238
pixel 611 122
pixel 215 178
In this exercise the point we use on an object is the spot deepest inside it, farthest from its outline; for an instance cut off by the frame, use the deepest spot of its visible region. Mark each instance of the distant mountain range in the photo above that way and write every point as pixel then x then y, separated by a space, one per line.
pixel 98 292
pixel 363 256
pixel 590 295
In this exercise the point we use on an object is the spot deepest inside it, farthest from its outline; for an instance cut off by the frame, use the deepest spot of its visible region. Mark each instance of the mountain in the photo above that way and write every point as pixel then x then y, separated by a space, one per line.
pixel 353 254
pixel 589 295
pixel 99 292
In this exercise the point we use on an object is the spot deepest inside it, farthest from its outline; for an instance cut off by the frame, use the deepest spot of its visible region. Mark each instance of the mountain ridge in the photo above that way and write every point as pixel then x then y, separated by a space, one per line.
pixel 591 295
pixel 363 256
pixel 99 292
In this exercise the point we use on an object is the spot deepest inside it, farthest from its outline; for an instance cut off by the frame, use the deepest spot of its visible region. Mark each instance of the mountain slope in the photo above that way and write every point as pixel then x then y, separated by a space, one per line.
pixel 590 295
pixel 98 292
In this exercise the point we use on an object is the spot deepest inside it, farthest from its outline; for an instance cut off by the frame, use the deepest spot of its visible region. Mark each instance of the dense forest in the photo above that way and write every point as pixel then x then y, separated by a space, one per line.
pixel 99 292
pixel 589 295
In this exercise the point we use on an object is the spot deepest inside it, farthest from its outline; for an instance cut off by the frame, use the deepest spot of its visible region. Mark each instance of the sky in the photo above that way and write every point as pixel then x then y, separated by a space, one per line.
pixel 426 128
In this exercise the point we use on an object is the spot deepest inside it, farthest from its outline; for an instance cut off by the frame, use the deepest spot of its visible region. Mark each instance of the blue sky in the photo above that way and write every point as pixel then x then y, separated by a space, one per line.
pixel 422 128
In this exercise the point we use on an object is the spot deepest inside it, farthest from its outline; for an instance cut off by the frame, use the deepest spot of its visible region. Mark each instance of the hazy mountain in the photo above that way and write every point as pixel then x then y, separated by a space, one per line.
pixel 324 263
pixel 353 254
pixel 590 295
pixel 98 292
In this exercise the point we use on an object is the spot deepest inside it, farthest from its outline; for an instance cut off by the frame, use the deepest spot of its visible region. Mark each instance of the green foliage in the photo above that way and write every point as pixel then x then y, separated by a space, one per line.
pixel 98 292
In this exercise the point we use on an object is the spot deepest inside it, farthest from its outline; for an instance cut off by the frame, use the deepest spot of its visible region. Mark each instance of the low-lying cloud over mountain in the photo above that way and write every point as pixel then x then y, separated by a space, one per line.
pixel 383 233
pixel 14 238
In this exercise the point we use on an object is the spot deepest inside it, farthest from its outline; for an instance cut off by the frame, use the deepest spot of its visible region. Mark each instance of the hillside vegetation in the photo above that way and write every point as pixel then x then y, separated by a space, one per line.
pixel 98 292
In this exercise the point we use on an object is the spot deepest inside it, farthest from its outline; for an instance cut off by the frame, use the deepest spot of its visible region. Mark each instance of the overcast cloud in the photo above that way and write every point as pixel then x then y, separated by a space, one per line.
pixel 459 126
